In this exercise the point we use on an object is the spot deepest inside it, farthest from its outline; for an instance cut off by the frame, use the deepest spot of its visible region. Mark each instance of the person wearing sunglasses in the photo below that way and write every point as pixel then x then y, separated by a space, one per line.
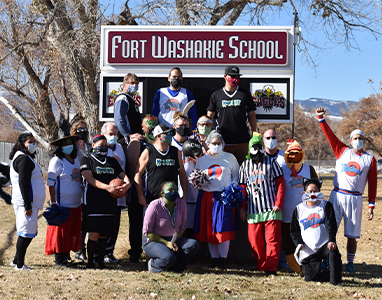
pixel 162 162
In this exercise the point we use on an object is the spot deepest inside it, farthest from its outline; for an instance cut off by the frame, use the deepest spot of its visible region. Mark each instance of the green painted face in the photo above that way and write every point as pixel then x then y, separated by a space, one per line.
pixel 152 122
pixel 170 187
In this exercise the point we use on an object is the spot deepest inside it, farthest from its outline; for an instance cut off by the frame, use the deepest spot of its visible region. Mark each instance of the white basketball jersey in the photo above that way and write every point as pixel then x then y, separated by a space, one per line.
pixel 312 223
pixel 352 170
pixel 168 105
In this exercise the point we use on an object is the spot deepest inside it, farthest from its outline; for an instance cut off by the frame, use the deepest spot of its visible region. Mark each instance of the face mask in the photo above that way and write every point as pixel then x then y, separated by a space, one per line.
pixel 166 139
pixel 313 196
pixel 204 130
pixel 67 149
pixel 100 151
pixel 132 89
pixel 215 149
pixel 233 81
pixel 357 144
pixel 183 130
pixel 151 122
pixel 83 135
pixel 32 147
pixel 256 152
pixel 175 82
pixel 111 140
pixel 271 143
pixel 171 196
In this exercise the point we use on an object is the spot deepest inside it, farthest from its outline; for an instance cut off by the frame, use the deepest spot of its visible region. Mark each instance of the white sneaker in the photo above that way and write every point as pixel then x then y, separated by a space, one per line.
pixel 24 267
pixel 149 267
pixel 12 264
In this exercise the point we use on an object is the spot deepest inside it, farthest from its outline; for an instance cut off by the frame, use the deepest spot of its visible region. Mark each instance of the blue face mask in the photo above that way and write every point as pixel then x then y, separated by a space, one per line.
pixel 166 139
pixel 67 149
pixel 111 140
pixel 171 196
pixel 132 89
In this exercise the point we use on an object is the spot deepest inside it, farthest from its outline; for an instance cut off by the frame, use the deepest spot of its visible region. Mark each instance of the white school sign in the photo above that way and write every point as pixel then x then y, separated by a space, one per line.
pixel 264 55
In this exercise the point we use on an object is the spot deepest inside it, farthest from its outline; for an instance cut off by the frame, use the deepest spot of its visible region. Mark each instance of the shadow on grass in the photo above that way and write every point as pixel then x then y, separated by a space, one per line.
pixel 7 244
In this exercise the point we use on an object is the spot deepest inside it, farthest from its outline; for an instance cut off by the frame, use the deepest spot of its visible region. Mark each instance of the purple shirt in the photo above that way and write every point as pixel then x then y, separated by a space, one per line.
pixel 158 220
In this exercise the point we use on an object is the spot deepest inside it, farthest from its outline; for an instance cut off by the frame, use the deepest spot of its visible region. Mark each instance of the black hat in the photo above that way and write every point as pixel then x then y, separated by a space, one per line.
pixel 232 71
pixel 192 147
pixel 162 128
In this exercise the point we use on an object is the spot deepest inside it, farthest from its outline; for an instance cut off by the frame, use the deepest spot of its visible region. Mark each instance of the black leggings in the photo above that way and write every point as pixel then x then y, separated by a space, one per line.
pixel 21 249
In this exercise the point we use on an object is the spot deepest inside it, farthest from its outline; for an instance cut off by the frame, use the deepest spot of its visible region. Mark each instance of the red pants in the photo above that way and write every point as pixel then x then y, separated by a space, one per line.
pixel 265 239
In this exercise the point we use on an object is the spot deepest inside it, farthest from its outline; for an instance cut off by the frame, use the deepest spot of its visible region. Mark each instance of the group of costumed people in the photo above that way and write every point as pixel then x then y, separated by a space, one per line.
pixel 185 183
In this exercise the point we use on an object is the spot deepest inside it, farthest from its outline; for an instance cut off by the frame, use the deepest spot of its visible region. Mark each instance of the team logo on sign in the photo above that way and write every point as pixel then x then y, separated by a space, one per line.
pixel 113 95
pixel 312 221
pixel 268 98
pixel 296 182
pixel 172 105
pixel 256 177
pixel 76 175
pixel 215 171
pixel 352 168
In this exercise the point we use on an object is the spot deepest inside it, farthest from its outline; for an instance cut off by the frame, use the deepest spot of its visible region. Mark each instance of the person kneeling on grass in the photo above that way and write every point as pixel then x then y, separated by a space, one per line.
pixel 163 226
pixel 313 230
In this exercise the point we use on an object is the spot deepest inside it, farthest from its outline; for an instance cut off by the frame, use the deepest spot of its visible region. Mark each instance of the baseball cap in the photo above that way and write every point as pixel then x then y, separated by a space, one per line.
pixel 162 128
pixel 232 71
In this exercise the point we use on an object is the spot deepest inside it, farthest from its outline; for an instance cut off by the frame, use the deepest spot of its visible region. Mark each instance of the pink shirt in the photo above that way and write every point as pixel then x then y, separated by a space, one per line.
pixel 158 220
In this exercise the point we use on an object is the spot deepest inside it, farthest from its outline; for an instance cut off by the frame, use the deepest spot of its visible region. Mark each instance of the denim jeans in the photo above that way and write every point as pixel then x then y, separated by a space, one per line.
pixel 163 258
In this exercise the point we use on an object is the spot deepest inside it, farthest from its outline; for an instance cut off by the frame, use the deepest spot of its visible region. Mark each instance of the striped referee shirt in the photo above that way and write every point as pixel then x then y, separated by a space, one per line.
pixel 260 181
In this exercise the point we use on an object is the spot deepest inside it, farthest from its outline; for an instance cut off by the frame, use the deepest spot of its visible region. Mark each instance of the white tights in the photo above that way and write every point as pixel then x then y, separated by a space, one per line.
pixel 219 250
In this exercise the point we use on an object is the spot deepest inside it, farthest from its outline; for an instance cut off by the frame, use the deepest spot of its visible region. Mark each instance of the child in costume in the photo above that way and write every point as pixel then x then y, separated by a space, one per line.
pixel 313 230
pixel 263 183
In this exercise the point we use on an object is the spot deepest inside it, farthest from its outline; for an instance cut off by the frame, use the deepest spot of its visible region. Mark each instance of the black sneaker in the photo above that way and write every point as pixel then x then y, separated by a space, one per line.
pixel 269 273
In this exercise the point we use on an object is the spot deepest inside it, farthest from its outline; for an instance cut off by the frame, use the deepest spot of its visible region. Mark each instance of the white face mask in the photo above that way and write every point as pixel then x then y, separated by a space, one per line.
pixel 112 139
pixel 32 148
pixel 271 143
pixel 215 149
pixel 357 144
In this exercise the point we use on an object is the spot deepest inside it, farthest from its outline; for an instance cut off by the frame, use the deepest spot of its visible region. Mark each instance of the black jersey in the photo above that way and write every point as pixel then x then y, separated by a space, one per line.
pixel 99 201
pixel 160 167
pixel 232 109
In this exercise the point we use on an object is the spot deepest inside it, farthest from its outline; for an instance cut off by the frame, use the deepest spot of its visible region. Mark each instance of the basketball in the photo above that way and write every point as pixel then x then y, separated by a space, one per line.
pixel 117 182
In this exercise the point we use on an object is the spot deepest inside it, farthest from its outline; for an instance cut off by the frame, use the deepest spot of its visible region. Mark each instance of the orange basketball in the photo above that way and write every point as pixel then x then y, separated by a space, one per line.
pixel 117 182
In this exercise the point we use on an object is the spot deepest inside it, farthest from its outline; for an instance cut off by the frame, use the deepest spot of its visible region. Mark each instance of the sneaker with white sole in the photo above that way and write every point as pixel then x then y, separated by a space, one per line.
pixel 12 264
pixel 24 267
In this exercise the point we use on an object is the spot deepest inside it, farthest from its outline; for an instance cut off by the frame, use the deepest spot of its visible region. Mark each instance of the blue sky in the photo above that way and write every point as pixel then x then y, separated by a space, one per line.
pixel 342 75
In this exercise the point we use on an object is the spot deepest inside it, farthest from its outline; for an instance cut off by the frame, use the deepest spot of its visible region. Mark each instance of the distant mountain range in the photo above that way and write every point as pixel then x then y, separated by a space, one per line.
pixel 333 107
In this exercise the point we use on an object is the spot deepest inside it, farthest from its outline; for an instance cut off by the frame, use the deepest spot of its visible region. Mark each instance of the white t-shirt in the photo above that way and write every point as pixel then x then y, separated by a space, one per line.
pixel 66 179
pixel 223 169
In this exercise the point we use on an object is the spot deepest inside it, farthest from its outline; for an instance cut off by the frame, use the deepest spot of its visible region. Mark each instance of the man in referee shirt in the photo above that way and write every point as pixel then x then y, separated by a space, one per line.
pixel 263 182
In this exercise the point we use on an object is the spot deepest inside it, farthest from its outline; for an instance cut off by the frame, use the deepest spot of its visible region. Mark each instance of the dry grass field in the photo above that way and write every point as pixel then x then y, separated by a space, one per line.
pixel 130 281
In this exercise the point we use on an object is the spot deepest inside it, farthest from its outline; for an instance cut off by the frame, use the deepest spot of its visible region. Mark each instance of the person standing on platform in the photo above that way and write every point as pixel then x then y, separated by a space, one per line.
pixel 173 98
pixel 354 167
pixel 127 117
pixel 234 107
